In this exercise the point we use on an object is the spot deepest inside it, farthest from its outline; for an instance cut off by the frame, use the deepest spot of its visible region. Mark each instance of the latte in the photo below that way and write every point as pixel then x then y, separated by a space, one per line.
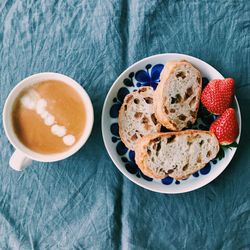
pixel 49 117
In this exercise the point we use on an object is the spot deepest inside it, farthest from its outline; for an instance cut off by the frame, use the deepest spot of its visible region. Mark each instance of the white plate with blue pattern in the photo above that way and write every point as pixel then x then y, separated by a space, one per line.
pixel 146 73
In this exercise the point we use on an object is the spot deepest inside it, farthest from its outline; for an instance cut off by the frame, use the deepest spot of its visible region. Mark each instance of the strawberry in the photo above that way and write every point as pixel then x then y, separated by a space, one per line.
pixel 226 127
pixel 218 95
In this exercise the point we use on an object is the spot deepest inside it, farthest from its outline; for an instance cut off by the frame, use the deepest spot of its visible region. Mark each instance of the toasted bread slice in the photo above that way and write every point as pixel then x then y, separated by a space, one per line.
pixel 136 116
pixel 177 97
pixel 175 154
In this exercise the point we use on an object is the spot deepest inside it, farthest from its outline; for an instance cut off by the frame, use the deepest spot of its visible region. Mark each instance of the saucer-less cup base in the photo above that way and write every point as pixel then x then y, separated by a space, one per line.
pixel 23 156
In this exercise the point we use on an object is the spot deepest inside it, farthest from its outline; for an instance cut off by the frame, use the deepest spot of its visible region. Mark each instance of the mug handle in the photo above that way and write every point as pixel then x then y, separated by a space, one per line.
pixel 19 161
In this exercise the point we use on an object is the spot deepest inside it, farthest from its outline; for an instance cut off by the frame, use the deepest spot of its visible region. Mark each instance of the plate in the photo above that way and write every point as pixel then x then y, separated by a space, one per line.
pixel 146 73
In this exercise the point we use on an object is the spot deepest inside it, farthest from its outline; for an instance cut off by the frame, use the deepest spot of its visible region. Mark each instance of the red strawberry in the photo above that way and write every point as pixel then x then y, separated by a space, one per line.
pixel 218 95
pixel 226 127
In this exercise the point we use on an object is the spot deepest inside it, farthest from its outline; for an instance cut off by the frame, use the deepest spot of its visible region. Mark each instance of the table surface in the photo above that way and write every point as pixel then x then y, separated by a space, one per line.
pixel 84 202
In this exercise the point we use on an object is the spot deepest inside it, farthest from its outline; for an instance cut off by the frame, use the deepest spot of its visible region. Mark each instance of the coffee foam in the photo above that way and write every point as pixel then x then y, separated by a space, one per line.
pixel 44 114
pixel 58 130
pixel 49 120
pixel 69 140
pixel 40 106
pixel 32 100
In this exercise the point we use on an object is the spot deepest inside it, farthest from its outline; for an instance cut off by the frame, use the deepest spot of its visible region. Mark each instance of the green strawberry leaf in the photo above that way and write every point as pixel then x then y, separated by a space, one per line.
pixel 232 145
pixel 221 153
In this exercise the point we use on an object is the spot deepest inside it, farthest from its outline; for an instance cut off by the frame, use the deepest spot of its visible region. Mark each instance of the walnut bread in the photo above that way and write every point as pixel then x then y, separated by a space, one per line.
pixel 175 154
pixel 136 116
pixel 177 97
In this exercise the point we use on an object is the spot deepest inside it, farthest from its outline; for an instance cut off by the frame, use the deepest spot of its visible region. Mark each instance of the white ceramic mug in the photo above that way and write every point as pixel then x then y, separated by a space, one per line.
pixel 23 156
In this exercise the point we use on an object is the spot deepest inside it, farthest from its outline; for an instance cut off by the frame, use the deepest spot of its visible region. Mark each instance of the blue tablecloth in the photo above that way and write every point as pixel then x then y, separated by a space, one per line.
pixel 84 202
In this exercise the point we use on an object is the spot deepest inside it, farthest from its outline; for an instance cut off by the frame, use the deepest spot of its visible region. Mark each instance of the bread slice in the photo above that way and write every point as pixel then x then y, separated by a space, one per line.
pixel 136 116
pixel 175 154
pixel 177 97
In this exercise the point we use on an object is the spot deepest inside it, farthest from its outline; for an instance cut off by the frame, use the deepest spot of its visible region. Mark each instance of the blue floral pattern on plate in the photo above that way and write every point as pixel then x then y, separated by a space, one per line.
pixel 150 76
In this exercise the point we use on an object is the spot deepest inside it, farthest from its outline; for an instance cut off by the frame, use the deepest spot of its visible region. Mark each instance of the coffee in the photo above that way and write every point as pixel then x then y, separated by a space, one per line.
pixel 49 117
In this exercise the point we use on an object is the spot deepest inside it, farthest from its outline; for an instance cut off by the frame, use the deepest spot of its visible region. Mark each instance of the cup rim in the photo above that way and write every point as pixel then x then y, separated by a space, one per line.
pixel 18 145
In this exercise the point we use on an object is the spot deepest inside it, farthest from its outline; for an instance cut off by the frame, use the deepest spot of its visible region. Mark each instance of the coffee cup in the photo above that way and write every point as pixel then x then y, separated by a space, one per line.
pixel 25 152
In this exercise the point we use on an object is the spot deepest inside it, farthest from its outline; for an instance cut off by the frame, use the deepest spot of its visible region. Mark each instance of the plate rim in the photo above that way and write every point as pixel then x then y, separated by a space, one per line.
pixel 122 169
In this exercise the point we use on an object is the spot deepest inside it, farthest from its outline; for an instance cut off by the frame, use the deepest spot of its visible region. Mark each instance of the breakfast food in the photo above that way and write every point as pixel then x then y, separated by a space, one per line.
pixel 177 97
pixel 226 127
pixel 136 116
pixel 175 105
pixel 175 154
pixel 218 95
pixel 49 117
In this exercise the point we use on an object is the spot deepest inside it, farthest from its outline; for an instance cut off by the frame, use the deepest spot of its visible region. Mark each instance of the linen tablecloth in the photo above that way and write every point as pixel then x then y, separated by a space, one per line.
pixel 84 202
